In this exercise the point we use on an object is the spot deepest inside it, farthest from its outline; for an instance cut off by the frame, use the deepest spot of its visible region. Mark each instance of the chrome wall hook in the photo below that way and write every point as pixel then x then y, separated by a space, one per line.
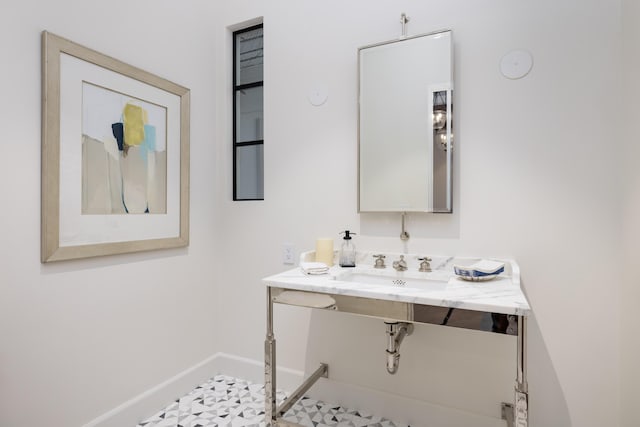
pixel 404 19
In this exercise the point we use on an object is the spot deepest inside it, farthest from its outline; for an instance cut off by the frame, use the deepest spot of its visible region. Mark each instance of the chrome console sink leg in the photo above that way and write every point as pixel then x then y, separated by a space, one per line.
pixel 270 415
pixel 273 413
pixel 517 414
pixel 521 409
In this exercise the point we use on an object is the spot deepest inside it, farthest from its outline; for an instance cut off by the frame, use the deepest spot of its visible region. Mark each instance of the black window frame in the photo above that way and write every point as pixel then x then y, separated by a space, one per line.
pixel 236 88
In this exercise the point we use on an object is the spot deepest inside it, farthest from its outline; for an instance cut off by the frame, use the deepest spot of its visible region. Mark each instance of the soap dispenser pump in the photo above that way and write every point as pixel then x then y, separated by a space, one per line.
pixel 348 251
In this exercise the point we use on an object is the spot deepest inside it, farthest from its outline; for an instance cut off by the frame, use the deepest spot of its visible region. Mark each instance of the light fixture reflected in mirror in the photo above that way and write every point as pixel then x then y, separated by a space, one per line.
pixel 441 137
pixel 439 119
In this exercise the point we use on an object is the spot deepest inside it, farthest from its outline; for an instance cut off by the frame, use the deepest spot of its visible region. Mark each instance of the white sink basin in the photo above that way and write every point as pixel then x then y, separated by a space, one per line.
pixel 423 281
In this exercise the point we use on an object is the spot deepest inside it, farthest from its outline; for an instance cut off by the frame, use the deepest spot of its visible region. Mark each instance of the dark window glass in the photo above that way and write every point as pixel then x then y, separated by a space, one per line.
pixel 248 140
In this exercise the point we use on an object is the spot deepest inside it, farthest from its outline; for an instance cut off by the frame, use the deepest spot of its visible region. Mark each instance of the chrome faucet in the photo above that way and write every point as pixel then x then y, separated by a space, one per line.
pixel 379 261
pixel 401 264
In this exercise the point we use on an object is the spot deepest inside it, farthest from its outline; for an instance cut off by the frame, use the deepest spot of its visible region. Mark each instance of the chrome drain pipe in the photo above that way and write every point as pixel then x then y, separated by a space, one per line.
pixel 396 332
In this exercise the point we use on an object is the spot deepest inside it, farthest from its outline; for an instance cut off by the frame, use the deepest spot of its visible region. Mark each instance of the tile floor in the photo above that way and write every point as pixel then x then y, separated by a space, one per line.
pixel 231 402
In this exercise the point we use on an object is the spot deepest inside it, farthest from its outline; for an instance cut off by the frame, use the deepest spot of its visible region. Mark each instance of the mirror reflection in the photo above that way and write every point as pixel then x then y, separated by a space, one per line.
pixel 405 125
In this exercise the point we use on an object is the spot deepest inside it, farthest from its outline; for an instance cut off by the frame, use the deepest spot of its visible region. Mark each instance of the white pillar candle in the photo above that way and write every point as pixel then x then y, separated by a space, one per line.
pixel 324 251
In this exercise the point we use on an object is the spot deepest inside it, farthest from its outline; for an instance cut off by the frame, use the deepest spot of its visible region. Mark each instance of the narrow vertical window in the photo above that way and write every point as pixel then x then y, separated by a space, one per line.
pixel 248 139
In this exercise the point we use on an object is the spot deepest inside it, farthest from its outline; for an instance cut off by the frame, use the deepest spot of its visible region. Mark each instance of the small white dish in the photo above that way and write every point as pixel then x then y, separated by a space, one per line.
pixel 478 278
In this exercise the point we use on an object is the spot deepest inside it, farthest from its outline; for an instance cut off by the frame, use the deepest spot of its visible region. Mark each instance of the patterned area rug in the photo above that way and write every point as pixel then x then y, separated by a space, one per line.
pixel 226 401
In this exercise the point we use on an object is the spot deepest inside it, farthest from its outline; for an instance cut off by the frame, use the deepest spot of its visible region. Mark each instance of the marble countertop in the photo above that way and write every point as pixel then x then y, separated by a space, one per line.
pixel 502 294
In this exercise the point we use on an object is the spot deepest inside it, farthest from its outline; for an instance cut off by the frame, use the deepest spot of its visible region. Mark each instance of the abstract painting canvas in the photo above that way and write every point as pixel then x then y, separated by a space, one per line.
pixel 115 156
pixel 124 163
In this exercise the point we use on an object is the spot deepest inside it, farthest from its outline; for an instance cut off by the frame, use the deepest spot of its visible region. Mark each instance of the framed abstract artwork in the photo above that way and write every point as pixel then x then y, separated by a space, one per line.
pixel 115 156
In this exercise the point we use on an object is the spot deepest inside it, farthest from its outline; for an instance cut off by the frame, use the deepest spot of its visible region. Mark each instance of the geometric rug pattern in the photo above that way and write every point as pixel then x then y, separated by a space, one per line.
pixel 225 401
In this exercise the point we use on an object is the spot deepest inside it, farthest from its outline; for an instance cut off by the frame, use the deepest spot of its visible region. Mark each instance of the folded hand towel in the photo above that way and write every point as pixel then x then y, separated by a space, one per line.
pixel 314 267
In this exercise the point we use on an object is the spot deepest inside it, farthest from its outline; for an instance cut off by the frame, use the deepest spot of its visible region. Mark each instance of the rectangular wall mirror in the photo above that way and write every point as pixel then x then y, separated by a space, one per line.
pixel 405 131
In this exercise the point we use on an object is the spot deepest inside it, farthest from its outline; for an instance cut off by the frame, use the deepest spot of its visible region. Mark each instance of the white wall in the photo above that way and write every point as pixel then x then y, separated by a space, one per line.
pixel 630 295
pixel 531 181
pixel 80 338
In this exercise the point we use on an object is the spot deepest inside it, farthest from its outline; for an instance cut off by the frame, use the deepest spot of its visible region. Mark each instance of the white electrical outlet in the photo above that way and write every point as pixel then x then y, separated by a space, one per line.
pixel 288 254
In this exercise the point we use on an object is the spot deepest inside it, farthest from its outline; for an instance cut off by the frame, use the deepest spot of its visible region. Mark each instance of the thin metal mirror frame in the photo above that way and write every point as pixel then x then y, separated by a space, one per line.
pixel 52 48
pixel 449 132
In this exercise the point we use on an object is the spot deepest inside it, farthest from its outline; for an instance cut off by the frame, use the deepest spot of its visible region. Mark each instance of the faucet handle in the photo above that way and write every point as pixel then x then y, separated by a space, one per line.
pixel 379 261
pixel 425 267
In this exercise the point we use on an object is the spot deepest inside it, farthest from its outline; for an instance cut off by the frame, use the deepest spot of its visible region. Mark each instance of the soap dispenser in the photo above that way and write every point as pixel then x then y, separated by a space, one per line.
pixel 348 251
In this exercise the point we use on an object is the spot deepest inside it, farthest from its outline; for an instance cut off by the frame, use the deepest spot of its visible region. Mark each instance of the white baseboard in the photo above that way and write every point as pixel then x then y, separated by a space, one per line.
pixel 398 408
pixel 147 403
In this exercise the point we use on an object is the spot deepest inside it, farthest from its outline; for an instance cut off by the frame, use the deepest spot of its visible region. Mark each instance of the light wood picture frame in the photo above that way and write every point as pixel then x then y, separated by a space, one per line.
pixel 110 186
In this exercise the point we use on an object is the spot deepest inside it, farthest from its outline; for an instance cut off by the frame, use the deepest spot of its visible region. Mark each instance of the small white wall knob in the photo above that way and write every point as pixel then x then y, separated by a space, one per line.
pixel 516 64
pixel 318 95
